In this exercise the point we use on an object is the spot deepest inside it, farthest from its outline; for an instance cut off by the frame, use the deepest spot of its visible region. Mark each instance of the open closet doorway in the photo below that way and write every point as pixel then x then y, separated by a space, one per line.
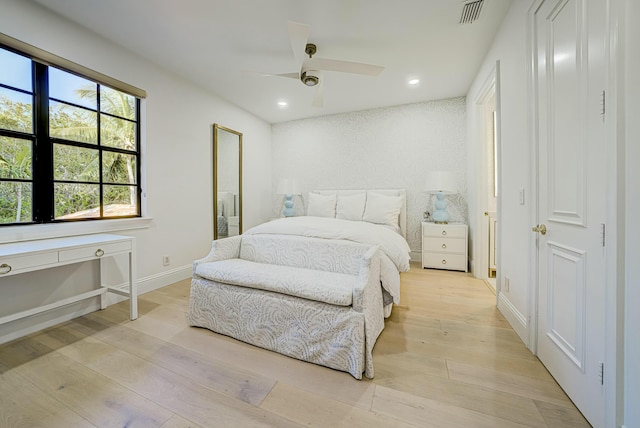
pixel 488 171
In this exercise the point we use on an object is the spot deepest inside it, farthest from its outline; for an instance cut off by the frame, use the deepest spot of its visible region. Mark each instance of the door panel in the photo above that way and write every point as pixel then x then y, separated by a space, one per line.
pixel 566 72
pixel 566 301
pixel 569 76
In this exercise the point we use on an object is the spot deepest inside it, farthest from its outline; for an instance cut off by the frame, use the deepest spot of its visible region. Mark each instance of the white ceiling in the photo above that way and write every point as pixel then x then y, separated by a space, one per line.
pixel 214 42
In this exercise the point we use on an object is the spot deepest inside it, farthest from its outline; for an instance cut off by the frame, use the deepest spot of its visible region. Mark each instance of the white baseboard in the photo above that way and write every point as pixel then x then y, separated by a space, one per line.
pixel 153 282
pixel 514 317
pixel 145 285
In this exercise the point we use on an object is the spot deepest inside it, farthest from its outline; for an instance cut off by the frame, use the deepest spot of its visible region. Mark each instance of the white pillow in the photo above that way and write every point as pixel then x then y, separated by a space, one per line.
pixel 351 207
pixel 382 209
pixel 321 205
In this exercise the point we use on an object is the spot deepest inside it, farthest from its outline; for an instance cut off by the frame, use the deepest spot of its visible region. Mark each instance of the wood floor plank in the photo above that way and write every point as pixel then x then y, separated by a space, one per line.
pixel 424 412
pixel 218 375
pixel 23 405
pixel 561 416
pixel 94 396
pixel 540 389
pixel 312 410
pixel 518 409
pixel 180 422
pixel 180 395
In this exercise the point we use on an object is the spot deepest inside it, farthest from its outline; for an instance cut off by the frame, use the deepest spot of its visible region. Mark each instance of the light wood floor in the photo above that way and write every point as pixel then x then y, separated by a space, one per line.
pixel 446 358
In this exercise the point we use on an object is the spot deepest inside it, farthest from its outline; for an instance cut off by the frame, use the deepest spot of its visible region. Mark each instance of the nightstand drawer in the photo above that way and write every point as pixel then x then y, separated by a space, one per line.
pixel 444 261
pixel 444 230
pixel 445 245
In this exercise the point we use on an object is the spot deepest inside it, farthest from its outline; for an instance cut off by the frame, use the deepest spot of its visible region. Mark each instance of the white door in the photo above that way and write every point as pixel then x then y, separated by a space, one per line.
pixel 569 38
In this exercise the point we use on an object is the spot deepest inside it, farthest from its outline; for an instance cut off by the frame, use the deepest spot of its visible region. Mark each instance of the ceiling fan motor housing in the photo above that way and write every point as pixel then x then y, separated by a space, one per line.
pixel 310 77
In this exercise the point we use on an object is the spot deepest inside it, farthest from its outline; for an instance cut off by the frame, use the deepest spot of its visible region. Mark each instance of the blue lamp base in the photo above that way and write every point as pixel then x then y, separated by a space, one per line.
pixel 440 215
pixel 288 206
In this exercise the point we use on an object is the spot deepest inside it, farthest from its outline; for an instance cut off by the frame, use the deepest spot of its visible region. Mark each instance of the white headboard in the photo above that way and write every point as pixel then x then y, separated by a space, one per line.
pixel 402 218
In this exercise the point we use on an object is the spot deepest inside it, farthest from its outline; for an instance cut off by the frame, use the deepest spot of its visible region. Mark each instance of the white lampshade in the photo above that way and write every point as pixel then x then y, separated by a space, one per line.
pixel 440 181
pixel 288 186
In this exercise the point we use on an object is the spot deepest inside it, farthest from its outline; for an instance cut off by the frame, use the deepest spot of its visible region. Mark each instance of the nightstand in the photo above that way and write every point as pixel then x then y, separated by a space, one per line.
pixel 444 246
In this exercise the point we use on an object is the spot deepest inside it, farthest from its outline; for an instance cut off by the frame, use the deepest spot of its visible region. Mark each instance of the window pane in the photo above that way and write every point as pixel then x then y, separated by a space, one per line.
pixel 74 200
pixel 118 168
pixel 15 202
pixel 118 133
pixel 15 70
pixel 117 103
pixel 15 158
pixel 16 110
pixel 75 163
pixel 73 89
pixel 72 123
pixel 120 200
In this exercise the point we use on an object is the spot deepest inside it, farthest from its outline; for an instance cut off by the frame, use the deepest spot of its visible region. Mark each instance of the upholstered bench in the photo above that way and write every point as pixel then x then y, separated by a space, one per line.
pixel 314 299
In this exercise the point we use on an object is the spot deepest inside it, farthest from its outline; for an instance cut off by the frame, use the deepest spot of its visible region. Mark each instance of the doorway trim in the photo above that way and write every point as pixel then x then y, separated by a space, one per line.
pixel 490 88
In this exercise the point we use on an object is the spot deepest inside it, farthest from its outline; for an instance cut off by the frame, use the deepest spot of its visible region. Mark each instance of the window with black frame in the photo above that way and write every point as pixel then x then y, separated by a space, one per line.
pixel 69 146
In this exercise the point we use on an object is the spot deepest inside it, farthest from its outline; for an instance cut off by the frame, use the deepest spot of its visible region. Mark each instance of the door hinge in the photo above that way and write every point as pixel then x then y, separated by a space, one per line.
pixel 601 373
pixel 603 104
pixel 603 234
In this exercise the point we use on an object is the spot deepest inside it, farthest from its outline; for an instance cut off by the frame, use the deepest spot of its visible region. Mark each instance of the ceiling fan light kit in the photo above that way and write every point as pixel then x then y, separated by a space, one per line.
pixel 310 77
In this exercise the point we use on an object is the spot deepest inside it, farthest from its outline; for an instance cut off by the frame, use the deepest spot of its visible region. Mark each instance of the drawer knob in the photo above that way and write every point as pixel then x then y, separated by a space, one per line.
pixel 444 262
pixel 5 268
pixel 444 233
pixel 444 246
pixel 99 252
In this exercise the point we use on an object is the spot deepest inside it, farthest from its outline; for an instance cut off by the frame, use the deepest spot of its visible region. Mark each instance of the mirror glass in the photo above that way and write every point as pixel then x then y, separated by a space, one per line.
pixel 227 182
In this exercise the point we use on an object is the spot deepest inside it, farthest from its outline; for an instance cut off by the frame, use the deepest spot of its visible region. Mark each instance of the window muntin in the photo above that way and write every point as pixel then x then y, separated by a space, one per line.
pixel 89 163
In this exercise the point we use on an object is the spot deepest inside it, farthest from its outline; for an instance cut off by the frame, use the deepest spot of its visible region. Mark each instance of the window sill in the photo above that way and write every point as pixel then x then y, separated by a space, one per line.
pixel 58 230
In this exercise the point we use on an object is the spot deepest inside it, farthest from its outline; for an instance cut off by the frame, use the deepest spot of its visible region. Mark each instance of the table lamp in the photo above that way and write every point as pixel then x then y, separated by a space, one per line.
pixel 288 187
pixel 441 183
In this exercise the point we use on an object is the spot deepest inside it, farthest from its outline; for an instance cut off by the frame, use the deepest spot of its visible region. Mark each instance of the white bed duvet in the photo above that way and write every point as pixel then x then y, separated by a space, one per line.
pixel 393 245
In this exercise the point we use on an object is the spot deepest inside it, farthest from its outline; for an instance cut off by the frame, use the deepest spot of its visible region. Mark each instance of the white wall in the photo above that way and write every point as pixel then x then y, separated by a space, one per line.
pixel 509 47
pixel 383 148
pixel 177 158
pixel 632 181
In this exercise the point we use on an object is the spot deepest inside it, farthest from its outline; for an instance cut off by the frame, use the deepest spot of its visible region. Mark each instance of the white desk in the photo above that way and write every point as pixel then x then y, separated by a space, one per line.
pixel 28 256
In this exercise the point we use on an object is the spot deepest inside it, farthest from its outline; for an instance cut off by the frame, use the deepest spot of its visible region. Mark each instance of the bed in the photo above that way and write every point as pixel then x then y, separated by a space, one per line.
pixel 314 287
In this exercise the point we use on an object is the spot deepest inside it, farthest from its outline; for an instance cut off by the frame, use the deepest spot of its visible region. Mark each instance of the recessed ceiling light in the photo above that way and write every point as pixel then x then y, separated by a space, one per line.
pixel 282 104
pixel 414 81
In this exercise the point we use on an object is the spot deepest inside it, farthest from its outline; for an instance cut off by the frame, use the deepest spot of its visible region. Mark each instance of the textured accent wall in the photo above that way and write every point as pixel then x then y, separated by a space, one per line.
pixel 383 148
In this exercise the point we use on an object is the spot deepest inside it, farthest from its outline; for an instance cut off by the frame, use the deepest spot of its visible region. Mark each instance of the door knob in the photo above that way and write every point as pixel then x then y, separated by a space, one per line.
pixel 540 228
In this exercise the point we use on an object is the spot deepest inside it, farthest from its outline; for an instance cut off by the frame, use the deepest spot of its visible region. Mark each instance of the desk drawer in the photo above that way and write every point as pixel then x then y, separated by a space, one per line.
pixel 28 262
pixel 444 261
pixel 445 245
pixel 91 251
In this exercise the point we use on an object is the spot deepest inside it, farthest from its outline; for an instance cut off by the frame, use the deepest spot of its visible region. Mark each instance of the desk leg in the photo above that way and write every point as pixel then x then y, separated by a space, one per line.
pixel 103 296
pixel 133 286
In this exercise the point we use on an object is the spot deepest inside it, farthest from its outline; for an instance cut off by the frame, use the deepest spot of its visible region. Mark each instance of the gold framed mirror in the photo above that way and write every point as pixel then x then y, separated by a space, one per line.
pixel 227 182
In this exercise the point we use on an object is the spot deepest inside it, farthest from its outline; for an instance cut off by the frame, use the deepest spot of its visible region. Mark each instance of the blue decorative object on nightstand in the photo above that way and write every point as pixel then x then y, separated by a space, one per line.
pixel 440 214
pixel 440 183
pixel 288 187
pixel 288 206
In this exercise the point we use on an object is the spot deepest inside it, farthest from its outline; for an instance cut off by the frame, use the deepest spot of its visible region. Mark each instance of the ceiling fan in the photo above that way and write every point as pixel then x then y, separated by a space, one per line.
pixel 311 69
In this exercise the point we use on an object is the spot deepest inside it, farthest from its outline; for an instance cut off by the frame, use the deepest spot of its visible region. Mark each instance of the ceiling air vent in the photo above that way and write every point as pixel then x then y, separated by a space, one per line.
pixel 471 11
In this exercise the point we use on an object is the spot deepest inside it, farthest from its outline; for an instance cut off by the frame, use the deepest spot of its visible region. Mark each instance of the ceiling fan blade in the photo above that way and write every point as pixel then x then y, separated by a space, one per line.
pixel 318 100
pixel 343 66
pixel 298 35
pixel 259 74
